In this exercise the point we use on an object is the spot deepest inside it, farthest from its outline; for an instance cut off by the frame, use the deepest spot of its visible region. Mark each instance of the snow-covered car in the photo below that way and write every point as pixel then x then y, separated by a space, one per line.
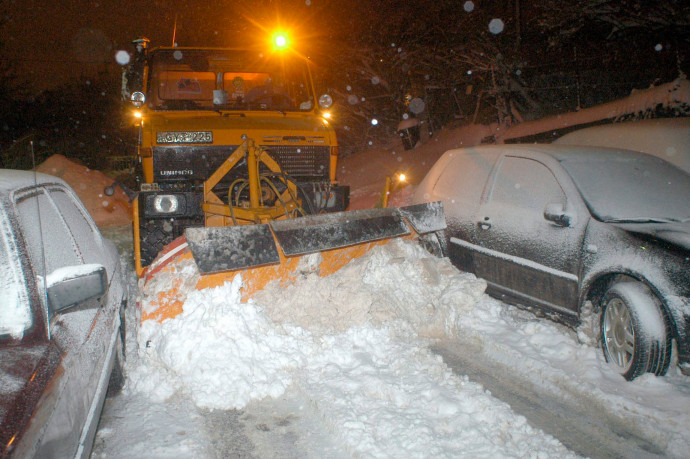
pixel 558 228
pixel 61 319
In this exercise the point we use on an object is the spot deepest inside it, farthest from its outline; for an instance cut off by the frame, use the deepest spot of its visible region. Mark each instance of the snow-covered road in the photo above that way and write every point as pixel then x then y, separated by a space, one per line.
pixel 390 357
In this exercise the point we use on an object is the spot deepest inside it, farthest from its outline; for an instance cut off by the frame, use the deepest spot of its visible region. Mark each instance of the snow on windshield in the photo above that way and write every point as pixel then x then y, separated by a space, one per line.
pixel 15 315
pixel 350 343
pixel 631 189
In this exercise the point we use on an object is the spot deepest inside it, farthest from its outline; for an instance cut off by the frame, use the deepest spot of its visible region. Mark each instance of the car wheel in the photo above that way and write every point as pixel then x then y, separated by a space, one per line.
pixel 634 334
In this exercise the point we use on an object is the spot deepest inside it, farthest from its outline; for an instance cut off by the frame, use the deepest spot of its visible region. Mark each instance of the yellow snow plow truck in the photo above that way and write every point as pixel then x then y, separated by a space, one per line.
pixel 238 161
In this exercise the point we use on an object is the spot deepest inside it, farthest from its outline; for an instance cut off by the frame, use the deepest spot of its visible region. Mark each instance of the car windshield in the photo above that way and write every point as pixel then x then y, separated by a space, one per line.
pixel 15 315
pixel 193 79
pixel 639 189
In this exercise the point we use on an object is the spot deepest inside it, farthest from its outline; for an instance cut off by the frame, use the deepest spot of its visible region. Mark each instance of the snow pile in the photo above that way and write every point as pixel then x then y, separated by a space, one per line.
pixel 350 343
pixel 115 210
pixel 224 351
pixel 396 282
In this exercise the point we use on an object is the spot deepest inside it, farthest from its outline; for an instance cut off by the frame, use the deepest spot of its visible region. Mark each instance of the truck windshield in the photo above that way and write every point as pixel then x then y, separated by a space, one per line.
pixel 194 79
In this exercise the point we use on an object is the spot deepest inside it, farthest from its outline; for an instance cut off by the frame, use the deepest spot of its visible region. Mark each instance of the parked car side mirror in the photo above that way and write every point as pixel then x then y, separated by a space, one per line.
pixel 554 212
pixel 72 285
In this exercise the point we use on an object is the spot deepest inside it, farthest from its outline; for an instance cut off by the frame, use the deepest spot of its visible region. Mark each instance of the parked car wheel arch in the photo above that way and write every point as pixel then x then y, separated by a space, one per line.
pixel 598 285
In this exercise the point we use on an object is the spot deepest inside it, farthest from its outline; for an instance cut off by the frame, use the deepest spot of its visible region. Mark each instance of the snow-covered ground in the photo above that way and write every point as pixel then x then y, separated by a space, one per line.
pixel 348 365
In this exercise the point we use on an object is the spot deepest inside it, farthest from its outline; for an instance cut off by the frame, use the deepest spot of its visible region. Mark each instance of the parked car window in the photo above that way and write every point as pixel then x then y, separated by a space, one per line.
pixel 46 236
pixel 525 183
pixel 85 234
pixel 15 313
pixel 631 189
pixel 466 172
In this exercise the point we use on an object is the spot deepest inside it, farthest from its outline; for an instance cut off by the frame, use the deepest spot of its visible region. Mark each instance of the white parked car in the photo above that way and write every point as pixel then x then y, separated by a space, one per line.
pixel 61 319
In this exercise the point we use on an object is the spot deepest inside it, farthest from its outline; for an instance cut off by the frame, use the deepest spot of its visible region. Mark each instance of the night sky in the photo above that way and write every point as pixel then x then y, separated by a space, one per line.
pixel 48 43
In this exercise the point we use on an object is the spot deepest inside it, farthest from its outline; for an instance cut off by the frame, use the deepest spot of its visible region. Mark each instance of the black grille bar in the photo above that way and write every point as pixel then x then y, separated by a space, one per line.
pixel 303 162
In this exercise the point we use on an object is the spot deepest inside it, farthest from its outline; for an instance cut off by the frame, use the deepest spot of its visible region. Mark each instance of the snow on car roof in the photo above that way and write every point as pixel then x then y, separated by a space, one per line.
pixel 12 179
pixel 559 152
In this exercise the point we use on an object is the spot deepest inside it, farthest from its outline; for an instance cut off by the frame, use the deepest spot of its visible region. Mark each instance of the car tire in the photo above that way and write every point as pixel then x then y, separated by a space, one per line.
pixel 634 335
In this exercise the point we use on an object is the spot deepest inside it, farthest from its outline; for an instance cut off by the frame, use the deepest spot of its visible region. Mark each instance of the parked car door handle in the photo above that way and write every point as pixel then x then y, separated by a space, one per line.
pixel 485 224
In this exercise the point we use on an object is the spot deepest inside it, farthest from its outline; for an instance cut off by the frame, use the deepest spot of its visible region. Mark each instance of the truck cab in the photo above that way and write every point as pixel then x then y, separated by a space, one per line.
pixel 196 106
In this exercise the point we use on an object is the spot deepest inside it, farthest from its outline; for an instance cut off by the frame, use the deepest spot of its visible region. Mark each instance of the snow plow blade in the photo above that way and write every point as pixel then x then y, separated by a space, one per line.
pixel 266 252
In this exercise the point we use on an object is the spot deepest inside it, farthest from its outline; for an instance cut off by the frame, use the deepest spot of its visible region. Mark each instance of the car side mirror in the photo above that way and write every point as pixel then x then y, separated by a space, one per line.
pixel 555 213
pixel 72 285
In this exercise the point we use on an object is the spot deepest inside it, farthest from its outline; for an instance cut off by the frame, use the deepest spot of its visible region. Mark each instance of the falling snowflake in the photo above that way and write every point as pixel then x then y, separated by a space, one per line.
pixel 468 6
pixel 122 57
pixel 405 116
pixel 496 26
pixel 375 80
pixel 348 88
pixel 352 99
pixel 308 2
pixel 177 55
pixel 658 47
pixel 374 121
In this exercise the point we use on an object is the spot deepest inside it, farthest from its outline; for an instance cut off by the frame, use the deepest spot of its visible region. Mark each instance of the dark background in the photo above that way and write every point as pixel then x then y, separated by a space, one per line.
pixel 60 86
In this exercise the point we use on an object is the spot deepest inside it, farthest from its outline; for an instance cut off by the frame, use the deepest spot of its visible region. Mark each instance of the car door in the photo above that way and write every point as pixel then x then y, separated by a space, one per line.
pixel 50 218
pixel 458 180
pixel 520 253
pixel 95 352
pixel 28 361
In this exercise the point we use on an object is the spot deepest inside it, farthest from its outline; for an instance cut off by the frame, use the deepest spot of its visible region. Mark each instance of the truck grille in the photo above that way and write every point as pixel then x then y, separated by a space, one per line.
pixel 303 162
pixel 196 163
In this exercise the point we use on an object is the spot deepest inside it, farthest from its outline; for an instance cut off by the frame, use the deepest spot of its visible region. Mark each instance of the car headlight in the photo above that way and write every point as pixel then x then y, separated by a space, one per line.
pixel 166 203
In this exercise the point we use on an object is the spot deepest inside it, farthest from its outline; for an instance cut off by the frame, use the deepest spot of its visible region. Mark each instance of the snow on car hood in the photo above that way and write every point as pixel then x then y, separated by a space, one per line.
pixel 677 234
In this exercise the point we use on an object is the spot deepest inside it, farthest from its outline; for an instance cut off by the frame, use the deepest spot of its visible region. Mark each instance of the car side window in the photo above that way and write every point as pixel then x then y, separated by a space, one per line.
pixel 15 311
pixel 46 235
pixel 88 239
pixel 465 176
pixel 527 184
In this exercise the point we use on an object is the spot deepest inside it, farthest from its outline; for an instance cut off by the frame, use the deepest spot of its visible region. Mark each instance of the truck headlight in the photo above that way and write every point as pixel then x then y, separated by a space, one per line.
pixel 166 203
pixel 137 98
